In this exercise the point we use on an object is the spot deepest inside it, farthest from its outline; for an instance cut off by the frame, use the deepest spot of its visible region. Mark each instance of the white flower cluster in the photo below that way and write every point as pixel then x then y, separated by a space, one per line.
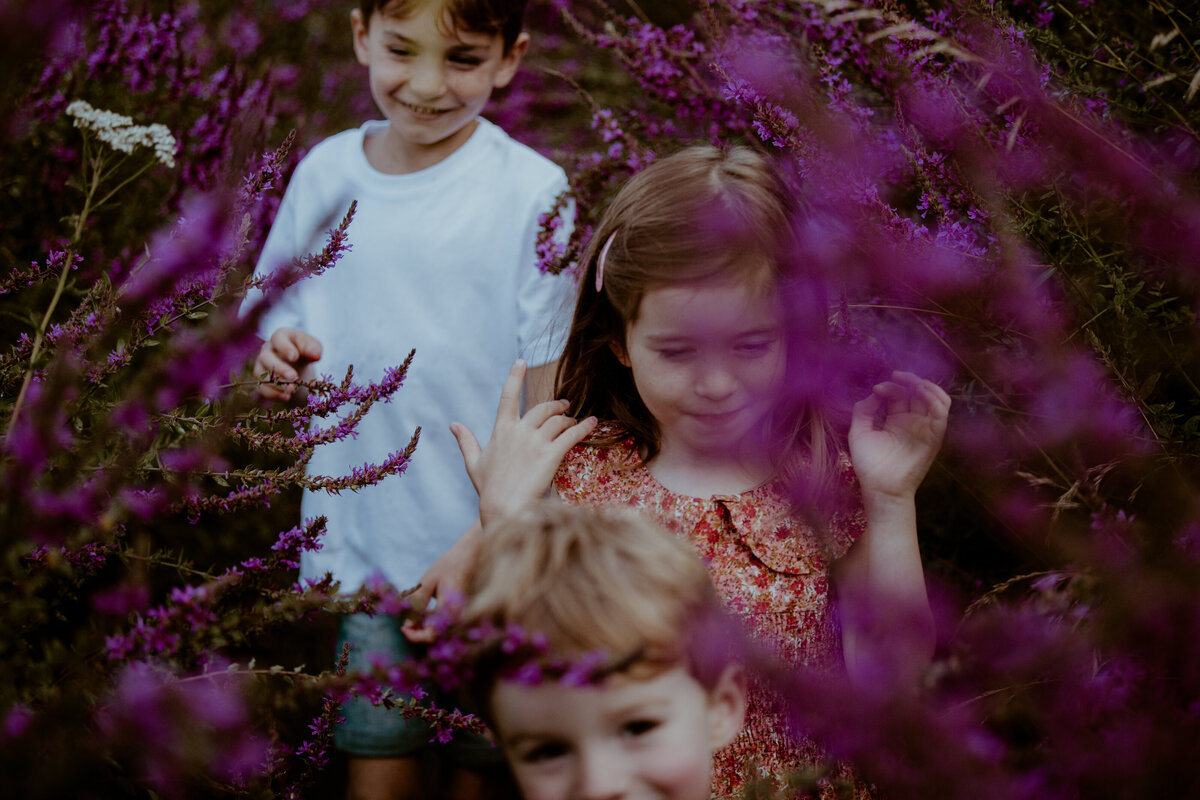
pixel 121 134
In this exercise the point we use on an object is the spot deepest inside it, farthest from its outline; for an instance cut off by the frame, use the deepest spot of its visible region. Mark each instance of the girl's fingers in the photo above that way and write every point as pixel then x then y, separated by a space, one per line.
pixel 931 401
pixel 935 396
pixel 896 395
pixel 557 425
pixel 905 393
pixel 910 380
pixel 510 395
pixel 580 431
pixel 865 411
pixel 567 431
pixel 542 413
pixel 468 445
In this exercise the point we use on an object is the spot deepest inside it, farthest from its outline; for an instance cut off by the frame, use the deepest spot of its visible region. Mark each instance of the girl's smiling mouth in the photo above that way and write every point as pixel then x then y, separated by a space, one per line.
pixel 716 419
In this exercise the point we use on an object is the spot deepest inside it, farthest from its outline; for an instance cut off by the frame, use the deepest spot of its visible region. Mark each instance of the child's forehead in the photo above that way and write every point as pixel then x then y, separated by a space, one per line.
pixel 519 703
pixel 446 13
pixel 710 304
pixel 400 9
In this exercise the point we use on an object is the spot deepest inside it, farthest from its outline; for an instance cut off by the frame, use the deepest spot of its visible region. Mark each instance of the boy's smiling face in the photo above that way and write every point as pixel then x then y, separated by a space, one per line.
pixel 429 79
pixel 629 739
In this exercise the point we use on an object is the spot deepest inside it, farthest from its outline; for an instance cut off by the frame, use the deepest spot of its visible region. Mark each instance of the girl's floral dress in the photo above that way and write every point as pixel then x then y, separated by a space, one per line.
pixel 769 566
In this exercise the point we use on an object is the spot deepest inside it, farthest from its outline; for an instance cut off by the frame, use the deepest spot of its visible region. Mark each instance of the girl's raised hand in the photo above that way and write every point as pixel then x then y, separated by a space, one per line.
pixel 520 460
pixel 896 433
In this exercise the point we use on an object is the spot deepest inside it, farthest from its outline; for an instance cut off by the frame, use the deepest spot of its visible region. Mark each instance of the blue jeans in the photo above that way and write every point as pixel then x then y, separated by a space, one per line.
pixel 376 732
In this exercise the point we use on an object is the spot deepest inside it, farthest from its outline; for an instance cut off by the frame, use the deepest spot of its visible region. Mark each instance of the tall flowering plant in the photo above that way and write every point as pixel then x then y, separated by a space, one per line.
pixel 1000 196
pixel 142 167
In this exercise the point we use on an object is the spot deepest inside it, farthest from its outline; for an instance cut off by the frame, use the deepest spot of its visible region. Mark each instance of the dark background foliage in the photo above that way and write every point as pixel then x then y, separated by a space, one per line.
pixel 1004 197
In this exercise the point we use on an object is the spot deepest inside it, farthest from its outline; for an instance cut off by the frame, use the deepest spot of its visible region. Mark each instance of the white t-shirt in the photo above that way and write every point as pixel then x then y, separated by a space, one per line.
pixel 443 261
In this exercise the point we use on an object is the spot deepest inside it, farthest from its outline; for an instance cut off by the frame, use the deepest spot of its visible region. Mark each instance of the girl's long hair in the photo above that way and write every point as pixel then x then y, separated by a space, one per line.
pixel 703 213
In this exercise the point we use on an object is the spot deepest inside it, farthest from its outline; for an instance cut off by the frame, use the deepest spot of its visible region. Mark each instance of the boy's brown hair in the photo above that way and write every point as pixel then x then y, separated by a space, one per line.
pixel 587 582
pixel 504 18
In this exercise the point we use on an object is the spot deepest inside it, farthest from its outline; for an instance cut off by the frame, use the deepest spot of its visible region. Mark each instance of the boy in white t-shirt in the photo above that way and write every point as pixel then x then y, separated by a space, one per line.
pixel 442 260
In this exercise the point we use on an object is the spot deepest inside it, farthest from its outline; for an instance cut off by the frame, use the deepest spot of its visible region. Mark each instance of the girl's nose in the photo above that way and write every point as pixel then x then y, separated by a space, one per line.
pixel 715 382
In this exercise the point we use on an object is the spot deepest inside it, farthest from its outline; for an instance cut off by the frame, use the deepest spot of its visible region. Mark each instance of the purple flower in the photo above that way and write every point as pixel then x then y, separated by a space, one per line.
pixel 15 723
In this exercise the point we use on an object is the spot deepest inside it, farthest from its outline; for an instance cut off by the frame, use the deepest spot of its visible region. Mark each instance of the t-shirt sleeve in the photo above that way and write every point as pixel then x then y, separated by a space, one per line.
pixel 545 301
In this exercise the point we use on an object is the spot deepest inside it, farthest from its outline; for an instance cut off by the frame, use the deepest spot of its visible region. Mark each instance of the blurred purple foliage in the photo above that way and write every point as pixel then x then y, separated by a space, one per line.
pixel 999 195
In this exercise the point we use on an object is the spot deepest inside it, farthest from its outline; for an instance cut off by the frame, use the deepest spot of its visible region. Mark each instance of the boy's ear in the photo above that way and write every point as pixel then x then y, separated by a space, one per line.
pixel 727 706
pixel 618 350
pixel 360 31
pixel 510 61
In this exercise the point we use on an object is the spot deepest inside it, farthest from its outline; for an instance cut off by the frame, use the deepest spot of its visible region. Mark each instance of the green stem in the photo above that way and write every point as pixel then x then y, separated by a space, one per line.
pixel 228 672
pixel 178 566
pixel 68 259
pixel 122 185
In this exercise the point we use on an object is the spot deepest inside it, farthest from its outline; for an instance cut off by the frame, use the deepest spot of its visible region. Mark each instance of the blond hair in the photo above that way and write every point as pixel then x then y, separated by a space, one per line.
pixel 587 581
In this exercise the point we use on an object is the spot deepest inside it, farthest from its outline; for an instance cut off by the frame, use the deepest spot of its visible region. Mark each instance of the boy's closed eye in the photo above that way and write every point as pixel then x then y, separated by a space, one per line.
pixel 540 752
pixel 639 727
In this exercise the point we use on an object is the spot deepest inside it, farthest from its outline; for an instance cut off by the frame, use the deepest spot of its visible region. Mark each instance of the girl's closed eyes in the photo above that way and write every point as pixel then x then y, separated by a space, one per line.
pixel 675 353
pixel 757 347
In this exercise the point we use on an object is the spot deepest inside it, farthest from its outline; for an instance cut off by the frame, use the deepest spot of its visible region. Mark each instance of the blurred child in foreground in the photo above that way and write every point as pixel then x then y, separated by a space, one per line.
pixel 615 591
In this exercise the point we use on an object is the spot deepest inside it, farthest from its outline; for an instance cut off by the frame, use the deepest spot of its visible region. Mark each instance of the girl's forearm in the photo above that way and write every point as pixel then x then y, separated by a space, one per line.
pixel 887 622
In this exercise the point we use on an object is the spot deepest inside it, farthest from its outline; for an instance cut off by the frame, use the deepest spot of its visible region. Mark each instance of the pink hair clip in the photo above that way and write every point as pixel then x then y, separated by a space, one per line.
pixel 600 261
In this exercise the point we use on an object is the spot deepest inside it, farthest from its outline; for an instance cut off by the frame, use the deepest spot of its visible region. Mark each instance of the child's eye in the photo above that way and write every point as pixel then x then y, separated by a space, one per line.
pixel 466 61
pixel 398 51
pixel 756 347
pixel 670 353
pixel 547 751
pixel 640 727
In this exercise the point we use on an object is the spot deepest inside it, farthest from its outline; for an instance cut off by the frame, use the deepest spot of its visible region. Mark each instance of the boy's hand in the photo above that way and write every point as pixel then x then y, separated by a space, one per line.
pixel 283 358
pixel 520 460
pixel 444 579
pixel 895 434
